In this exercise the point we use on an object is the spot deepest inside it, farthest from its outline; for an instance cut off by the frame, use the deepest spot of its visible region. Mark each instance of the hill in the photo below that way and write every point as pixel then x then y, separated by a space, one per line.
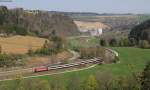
pixel 141 31
pixel 20 44
pixel 40 23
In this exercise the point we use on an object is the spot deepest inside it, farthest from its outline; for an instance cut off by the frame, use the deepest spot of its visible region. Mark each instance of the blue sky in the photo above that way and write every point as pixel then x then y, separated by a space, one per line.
pixel 100 6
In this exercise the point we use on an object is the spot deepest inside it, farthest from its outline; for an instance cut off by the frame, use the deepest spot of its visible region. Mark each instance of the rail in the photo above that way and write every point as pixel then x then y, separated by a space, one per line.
pixel 63 66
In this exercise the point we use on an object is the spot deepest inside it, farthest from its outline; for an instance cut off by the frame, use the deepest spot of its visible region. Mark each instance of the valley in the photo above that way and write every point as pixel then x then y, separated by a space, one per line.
pixel 42 49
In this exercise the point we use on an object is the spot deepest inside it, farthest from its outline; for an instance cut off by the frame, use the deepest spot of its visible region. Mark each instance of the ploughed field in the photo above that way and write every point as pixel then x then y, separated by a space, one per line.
pixel 20 44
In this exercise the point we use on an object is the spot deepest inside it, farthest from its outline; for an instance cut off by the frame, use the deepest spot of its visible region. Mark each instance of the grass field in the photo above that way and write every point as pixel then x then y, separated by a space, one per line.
pixel 20 44
pixel 83 42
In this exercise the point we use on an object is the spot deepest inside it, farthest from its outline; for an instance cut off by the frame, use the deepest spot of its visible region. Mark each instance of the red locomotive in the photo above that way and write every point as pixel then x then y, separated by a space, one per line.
pixel 40 69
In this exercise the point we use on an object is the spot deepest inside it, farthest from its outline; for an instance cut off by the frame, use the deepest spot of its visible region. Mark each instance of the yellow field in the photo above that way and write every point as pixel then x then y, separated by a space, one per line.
pixel 20 44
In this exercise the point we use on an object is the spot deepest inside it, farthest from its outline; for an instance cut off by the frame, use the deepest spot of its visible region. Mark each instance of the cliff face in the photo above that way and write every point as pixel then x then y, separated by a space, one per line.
pixel 41 23
pixel 91 25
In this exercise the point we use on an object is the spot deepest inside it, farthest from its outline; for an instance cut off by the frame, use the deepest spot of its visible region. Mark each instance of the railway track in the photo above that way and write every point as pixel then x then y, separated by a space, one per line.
pixel 79 63
pixel 42 69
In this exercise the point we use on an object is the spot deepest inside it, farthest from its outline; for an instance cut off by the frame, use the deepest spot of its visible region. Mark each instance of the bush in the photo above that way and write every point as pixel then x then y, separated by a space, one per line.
pixel 30 52
pixel 144 44
pixel 124 42
pixel 145 79
pixel 103 42
pixel 133 42
pixel 16 29
pixel 10 60
pixel 113 42
pixel 116 59
pixel 89 53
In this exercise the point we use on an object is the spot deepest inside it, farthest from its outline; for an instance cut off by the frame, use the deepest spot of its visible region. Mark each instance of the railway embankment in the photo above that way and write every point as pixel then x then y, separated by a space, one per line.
pixel 111 56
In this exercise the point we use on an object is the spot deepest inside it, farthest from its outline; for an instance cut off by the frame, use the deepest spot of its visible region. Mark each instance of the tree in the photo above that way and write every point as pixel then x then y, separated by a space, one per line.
pixel 141 31
pixel 30 52
pixel 126 42
pixel 0 49
pixel 3 14
pixel 145 79
pixel 74 83
pixel 121 43
pixel 58 42
pixel 91 83
pixel 133 42
pixel 104 80
pixel 46 44
pixel 113 42
pixel 42 85
pixel 4 87
pixel 103 42
pixel 144 44
pixel 57 83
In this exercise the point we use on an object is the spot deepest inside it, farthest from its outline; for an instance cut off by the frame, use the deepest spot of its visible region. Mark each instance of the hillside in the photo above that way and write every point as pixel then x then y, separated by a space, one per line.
pixel 141 31
pixel 41 23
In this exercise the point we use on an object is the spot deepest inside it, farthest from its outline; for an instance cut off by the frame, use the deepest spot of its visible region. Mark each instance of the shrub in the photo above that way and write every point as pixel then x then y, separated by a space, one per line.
pixel 90 83
pixel 145 79
pixel 133 42
pixel 144 44
pixel 113 42
pixel 116 59
pixel 92 52
pixel 10 60
pixel 30 52
pixel 103 42
pixel 124 42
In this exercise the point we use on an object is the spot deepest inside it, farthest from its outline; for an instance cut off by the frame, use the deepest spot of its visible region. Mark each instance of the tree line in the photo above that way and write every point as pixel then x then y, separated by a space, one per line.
pixel 91 52
pixel 53 45
pixel 124 42
pixel 20 22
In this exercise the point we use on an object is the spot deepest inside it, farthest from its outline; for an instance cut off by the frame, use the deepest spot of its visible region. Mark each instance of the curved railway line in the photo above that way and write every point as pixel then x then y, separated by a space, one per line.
pixel 63 66
pixel 50 69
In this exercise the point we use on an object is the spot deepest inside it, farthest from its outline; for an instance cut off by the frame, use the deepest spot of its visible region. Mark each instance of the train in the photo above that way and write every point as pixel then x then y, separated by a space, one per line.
pixel 62 66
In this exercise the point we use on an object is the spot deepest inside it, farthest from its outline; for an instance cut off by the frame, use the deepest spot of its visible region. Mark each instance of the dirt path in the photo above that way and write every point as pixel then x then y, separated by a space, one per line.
pixel 75 55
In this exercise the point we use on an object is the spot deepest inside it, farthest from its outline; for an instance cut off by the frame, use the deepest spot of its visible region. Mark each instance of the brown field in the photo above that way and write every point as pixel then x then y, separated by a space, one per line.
pixel 20 44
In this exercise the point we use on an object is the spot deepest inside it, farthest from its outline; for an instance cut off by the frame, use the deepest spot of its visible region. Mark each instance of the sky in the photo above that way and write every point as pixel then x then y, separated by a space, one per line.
pixel 98 6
